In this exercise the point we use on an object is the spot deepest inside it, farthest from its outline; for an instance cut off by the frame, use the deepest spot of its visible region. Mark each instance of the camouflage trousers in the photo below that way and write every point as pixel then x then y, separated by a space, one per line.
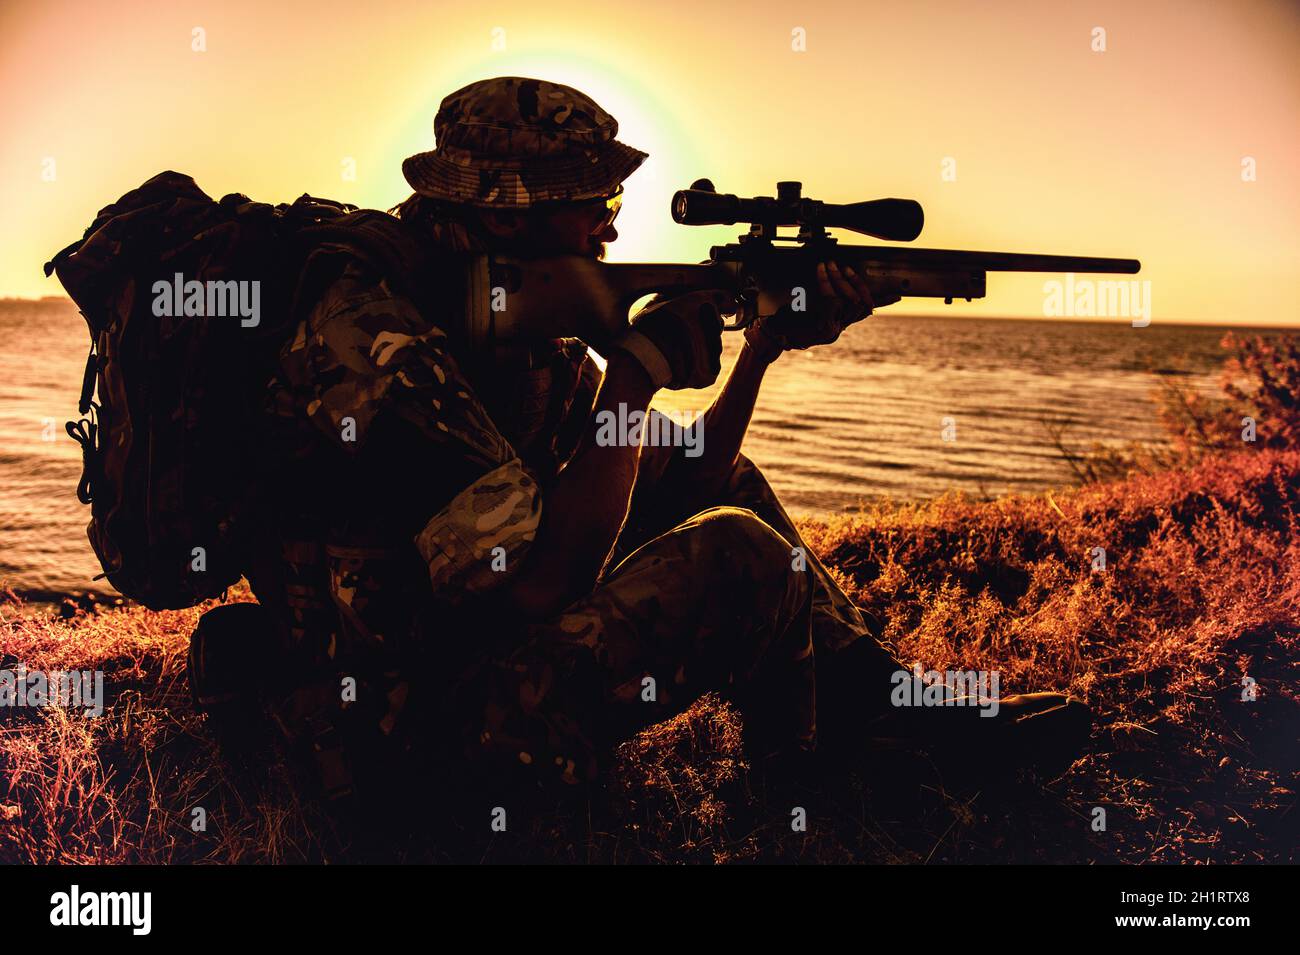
pixel 728 599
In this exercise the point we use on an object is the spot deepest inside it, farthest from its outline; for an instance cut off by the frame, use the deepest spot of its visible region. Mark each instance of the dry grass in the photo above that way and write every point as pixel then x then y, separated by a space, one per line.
pixel 1201 588
pixel 122 787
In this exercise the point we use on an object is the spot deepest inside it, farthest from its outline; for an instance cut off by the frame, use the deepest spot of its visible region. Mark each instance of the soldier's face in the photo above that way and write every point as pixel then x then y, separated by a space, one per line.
pixel 569 228
pixel 578 229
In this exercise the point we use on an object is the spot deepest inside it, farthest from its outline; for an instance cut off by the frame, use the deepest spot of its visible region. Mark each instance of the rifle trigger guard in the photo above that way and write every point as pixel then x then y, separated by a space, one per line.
pixel 742 321
pixel 748 313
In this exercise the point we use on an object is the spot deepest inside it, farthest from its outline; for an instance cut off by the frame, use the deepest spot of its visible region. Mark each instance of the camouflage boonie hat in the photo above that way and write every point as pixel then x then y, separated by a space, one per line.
pixel 509 142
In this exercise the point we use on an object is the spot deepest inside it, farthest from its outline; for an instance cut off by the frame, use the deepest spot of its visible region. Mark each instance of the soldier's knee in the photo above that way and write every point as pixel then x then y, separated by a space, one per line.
pixel 750 545
pixel 733 527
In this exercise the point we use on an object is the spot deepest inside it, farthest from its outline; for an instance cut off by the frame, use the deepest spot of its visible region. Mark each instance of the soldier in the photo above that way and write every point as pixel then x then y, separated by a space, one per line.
pixel 452 550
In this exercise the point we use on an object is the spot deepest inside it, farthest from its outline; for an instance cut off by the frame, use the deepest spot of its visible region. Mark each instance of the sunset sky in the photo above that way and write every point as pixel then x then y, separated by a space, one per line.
pixel 1135 151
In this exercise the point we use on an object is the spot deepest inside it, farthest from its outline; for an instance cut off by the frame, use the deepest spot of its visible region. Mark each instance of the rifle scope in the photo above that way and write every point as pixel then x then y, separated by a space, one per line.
pixel 896 220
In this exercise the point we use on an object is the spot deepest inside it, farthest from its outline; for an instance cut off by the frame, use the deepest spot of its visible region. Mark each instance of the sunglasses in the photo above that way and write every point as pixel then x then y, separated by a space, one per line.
pixel 612 206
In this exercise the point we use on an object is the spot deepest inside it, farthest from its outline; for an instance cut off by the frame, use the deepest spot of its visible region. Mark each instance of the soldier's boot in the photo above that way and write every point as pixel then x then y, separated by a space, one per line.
pixel 1042 731
pixel 234 655
pixel 1045 732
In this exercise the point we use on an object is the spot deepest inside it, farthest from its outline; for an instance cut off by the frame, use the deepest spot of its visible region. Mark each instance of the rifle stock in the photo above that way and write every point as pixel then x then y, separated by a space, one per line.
pixel 571 296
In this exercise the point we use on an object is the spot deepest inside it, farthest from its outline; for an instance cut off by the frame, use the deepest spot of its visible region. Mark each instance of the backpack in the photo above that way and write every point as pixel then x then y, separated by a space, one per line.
pixel 188 302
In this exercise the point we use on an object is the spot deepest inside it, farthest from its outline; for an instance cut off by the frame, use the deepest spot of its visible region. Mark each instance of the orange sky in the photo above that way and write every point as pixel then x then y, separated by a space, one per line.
pixel 1136 151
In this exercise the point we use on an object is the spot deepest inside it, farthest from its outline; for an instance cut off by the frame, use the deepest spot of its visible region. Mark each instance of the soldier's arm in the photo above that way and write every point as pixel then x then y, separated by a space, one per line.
pixel 697 481
pixel 725 424
pixel 586 505
pixel 842 300
pixel 654 458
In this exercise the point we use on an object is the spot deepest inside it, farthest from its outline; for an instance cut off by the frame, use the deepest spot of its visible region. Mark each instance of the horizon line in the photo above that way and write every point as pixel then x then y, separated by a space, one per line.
pixel 1073 320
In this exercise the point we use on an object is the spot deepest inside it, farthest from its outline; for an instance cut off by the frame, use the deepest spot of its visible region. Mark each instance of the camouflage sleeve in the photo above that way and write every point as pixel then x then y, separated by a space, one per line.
pixel 363 352
pixel 373 373
pixel 477 541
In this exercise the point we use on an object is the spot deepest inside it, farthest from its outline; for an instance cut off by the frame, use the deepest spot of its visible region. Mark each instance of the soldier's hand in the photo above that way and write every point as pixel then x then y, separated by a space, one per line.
pixel 843 298
pixel 679 340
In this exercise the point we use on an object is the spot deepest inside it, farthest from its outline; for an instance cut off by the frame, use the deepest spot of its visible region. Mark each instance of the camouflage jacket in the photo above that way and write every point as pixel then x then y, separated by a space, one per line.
pixel 400 468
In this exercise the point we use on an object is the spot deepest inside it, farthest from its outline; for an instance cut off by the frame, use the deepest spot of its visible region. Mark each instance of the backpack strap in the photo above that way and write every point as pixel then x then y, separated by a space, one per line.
pixel 385 245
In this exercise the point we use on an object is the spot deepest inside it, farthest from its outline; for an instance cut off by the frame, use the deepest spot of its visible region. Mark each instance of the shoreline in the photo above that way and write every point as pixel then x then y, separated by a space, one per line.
pixel 1123 322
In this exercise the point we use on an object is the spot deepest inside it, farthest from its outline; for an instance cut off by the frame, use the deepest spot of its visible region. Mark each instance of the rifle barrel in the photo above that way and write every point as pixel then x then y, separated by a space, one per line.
pixel 989 261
